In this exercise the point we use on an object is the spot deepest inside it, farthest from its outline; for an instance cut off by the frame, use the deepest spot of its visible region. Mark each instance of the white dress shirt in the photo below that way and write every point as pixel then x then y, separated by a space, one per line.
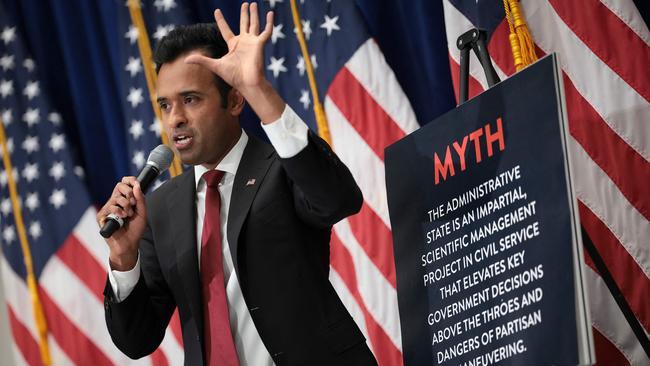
pixel 288 135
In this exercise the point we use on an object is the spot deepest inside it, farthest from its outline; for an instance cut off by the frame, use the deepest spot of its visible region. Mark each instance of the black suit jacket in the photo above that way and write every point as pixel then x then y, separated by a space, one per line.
pixel 278 231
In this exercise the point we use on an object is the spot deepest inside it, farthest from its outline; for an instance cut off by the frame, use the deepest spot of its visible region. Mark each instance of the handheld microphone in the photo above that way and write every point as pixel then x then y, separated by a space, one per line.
pixel 159 160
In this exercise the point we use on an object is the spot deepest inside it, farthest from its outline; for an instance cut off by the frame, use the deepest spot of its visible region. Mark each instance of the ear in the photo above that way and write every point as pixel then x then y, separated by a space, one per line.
pixel 236 102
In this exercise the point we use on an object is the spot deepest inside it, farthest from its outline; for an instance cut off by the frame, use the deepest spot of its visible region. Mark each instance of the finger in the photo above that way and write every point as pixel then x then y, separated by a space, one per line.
pixel 243 19
pixel 268 28
pixel 223 26
pixel 141 207
pixel 102 220
pixel 125 180
pixel 124 190
pixel 116 210
pixel 207 62
pixel 125 205
pixel 199 59
pixel 129 180
pixel 101 216
pixel 254 27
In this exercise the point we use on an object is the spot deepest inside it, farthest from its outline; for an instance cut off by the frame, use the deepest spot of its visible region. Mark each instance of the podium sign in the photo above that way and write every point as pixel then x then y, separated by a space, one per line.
pixel 486 232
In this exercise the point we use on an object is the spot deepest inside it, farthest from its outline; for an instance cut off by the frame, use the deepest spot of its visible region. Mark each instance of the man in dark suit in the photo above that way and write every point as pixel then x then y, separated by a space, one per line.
pixel 240 243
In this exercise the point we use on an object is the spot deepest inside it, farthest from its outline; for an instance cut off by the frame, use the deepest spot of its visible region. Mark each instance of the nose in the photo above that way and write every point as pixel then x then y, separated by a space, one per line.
pixel 177 117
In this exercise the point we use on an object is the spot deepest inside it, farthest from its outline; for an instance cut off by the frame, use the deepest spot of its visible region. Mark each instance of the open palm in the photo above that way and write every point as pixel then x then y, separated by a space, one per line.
pixel 242 66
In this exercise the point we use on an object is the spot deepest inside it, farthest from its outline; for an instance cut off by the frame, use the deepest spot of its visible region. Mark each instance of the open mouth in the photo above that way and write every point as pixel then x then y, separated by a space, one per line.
pixel 182 141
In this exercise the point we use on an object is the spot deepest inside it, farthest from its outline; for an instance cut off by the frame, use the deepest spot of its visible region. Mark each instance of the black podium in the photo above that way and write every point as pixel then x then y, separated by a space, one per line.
pixel 486 233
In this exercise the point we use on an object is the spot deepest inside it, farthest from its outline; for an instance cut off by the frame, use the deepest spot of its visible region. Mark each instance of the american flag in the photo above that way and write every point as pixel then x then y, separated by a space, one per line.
pixel 366 111
pixel 143 127
pixel 604 50
pixel 69 257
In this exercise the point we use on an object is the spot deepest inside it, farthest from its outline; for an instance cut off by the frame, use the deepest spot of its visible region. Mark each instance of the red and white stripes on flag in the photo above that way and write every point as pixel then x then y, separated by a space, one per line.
pixel 367 111
pixel 70 289
pixel 604 49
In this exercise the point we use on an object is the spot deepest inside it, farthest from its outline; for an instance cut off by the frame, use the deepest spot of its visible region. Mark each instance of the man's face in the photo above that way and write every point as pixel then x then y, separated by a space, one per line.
pixel 200 129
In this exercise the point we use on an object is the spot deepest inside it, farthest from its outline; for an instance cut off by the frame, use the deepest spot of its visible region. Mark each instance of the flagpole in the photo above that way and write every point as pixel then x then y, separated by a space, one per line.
pixel 321 118
pixel 147 61
pixel 37 307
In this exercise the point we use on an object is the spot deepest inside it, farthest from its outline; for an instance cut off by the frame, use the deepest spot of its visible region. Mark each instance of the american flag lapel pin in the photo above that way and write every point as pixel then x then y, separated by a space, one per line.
pixel 250 182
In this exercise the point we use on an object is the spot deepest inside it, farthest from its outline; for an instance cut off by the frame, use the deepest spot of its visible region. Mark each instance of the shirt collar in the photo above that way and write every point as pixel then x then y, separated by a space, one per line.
pixel 229 163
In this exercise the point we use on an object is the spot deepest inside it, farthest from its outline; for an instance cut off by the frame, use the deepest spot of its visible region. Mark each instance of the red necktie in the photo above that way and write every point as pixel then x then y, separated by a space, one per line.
pixel 219 344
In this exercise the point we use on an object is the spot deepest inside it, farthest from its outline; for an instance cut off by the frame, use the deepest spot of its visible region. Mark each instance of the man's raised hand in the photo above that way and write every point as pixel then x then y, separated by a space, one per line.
pixel 242 66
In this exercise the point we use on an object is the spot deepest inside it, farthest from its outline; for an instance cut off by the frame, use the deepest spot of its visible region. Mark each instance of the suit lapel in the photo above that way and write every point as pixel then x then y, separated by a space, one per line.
pixel 254 164
pixel 181 208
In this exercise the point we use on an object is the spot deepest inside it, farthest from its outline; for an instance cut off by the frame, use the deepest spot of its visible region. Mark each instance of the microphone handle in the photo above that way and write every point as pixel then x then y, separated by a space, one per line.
pixel 114 222
pixel 147 176
pixel 111 225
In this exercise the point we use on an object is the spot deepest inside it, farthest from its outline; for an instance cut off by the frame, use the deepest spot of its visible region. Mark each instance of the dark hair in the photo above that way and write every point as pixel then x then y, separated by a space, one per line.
pixel 185 38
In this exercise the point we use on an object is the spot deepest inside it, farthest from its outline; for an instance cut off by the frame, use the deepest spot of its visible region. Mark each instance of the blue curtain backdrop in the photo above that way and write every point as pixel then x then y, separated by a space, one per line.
pixel 75 45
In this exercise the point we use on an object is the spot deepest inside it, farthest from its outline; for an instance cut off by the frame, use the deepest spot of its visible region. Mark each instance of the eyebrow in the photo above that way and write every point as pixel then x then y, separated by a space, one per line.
pixel 182 94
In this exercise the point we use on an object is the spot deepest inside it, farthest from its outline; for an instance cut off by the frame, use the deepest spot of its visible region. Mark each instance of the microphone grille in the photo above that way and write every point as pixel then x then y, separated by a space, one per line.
pixel 161 157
